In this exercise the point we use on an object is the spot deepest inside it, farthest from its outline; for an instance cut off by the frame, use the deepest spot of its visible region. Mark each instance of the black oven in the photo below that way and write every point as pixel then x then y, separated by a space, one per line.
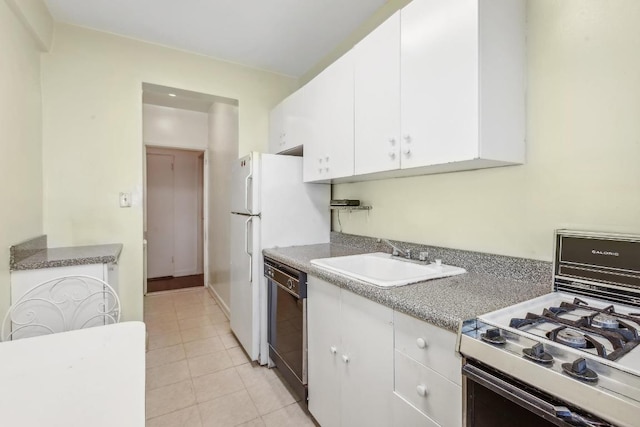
pixel 493 399
pixel 287 333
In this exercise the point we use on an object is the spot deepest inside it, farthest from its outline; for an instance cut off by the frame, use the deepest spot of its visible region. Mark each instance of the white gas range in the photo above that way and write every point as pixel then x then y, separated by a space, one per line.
pixel 571 357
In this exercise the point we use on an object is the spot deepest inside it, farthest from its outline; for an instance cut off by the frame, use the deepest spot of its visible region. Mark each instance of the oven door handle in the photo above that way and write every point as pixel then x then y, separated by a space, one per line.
pixel 558 415
pixel 284 288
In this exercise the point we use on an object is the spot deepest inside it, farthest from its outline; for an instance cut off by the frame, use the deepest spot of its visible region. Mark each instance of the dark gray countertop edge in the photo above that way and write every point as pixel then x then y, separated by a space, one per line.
pixel 69 256
pixel 442 302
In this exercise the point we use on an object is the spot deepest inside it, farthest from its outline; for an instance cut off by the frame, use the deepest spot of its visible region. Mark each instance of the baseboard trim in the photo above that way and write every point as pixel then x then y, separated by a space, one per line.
pixel 223 306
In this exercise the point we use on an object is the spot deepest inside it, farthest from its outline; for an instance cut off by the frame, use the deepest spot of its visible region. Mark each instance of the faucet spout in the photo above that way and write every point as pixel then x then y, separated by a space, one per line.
pixel 396 250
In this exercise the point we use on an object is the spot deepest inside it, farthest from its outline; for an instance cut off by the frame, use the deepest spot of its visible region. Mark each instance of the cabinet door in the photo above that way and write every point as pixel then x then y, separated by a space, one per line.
pixel 276 128
pixel 330 153
pixel 314 150
pixel 324 350
pixel 377 99
pixel 295 113
pixel 367 362
pixel 406 415
pixel 439 82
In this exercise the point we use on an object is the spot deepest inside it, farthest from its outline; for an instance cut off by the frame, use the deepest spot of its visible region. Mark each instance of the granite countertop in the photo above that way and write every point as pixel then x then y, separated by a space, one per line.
pixel 36 257
pixel 443 302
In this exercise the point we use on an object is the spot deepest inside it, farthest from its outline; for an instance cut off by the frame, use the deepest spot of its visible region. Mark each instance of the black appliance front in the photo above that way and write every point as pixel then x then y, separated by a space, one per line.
pixel 493 399
pixel 287 325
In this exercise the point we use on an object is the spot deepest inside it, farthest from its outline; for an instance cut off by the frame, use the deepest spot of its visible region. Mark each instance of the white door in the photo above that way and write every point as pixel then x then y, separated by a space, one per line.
pixel 324 351
pixel 367 376
pixel 245 280
pixel 439 75
pixel 377 99
pixel 329 154
pixel 160 224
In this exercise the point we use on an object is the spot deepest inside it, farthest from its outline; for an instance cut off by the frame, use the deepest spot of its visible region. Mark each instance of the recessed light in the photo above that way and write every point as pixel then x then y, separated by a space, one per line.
pixel 172 94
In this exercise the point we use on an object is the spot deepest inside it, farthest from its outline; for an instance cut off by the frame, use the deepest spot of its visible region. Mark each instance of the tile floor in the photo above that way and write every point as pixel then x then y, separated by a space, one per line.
pixel 198 376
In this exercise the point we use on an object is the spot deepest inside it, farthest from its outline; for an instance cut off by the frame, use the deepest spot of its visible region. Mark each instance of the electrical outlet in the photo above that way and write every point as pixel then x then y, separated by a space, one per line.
pixel 125 200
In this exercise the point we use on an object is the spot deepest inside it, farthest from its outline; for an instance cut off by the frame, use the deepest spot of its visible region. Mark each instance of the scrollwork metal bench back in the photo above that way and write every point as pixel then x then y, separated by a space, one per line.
pixel 59 305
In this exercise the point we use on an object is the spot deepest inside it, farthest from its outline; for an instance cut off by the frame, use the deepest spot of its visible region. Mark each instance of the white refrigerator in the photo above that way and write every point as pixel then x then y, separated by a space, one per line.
pixel 270 207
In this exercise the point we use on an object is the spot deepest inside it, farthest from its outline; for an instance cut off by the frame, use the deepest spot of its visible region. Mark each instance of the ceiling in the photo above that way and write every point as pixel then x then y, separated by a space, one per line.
pixel 284 36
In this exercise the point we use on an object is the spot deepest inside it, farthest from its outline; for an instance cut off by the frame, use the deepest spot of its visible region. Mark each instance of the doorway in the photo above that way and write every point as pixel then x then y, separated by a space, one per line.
pixel 174 218
pixel 179 119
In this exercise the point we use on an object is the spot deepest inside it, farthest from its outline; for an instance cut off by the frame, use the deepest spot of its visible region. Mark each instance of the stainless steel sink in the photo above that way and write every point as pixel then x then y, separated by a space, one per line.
pixel 381 269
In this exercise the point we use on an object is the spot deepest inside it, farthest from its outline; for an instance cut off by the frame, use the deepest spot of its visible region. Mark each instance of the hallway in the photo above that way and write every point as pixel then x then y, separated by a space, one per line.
pixel 197 375
pixel 173 283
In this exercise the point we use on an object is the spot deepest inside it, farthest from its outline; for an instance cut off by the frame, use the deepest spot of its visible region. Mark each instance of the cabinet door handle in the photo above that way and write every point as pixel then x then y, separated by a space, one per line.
pixel 421 343
pixel 421 390
pixel 407 138
pixel 407 152
pixel 392 141
pixel 333 349
pixel 392 155
pixel 345 358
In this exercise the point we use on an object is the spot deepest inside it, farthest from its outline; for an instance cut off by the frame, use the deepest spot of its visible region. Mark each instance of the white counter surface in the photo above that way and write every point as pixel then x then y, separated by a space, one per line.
pixel 89 377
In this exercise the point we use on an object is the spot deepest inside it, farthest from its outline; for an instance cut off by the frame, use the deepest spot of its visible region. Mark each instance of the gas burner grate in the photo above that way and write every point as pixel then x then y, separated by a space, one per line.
pixel 582 332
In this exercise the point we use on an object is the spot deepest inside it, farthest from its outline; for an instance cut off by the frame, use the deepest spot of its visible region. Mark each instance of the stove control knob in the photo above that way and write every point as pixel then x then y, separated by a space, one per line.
pixel 493 336
pixel 537 354
pixel 579 370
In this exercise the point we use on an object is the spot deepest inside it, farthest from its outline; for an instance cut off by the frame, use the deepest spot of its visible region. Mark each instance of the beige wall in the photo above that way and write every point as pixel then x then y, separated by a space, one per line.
pixel 174 127
pixel 92 134
pixel 20 141
pixel 583 148
pixel 37 20
pixel 223 149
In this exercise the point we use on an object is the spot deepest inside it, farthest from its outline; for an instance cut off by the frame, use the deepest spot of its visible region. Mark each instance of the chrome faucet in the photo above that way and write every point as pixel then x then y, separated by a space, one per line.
pixel 396 250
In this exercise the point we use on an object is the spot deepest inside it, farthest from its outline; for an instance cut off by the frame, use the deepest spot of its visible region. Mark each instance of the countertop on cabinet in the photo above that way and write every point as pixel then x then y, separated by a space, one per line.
pixel 69 256
pixel 443 302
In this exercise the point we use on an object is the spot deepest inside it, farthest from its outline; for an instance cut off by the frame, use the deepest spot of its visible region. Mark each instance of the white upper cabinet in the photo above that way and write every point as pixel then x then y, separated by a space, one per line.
pixel 377 99
pixel 438 87
pixel 289 123
pixel 329 150
pixel 276 128
pixel 462 90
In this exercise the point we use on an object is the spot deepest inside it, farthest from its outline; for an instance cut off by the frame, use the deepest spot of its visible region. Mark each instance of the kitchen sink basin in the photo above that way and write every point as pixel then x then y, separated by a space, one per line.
pixel 381 269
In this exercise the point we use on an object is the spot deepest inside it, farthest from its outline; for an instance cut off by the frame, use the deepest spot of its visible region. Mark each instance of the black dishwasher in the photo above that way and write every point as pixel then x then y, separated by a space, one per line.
pixel 287 333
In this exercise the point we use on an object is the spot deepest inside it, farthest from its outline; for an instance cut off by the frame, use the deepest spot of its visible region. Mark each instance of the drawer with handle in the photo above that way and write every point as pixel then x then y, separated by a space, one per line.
pixel 430 392
pixel 430 345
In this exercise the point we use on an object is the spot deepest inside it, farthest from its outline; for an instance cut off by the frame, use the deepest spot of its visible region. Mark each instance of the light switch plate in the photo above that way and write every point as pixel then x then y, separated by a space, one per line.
pixel 125 200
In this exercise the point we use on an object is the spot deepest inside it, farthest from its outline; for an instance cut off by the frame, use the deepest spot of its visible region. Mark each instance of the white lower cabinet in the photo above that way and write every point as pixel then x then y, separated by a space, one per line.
pixel 350 357
pixel 371 366
pixel 427 373
pixel 428 391
pixel 24 280
pixel 69 308
pixel 406 415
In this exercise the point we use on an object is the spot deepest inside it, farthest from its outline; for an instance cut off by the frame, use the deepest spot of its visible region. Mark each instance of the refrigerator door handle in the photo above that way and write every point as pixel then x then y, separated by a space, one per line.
pixel 246 247
pixel 246 187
